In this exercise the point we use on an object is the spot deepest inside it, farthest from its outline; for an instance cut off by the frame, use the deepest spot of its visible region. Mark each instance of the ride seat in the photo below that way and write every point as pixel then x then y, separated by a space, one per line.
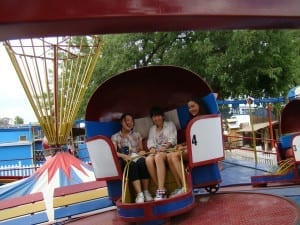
pixel 285 145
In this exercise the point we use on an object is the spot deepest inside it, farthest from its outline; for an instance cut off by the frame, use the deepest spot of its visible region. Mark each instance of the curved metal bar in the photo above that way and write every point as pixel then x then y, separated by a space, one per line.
pixel 23 19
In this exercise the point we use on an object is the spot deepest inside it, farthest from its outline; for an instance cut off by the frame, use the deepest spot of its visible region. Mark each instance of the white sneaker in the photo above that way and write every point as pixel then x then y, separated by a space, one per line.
pixel 140 198
pixel 177 191
pixel 147 196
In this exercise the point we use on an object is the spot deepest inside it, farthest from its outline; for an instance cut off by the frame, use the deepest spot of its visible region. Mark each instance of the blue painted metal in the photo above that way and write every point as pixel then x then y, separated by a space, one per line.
pixel 206 175
pixel 137 212
pixel 17 144
pixel 290 176
pixel 82 207
pixel 170 207
pixel 35 218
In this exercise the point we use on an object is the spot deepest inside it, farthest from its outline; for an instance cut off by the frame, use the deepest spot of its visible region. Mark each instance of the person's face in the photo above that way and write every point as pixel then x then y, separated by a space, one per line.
pixel 194 108
pixel 127 123
pixel 158 120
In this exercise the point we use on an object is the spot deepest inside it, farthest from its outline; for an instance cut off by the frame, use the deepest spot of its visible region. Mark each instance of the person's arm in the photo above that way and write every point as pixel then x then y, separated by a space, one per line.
pixel 124 156
pixel 172 135
pixel 114 141
pixel 140 149
pixel 120 155
pixel 151 140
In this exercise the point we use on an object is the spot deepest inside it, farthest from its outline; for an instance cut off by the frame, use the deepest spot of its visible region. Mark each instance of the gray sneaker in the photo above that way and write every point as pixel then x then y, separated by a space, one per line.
pixel 140 198
pixel 147 196
pixel 177 191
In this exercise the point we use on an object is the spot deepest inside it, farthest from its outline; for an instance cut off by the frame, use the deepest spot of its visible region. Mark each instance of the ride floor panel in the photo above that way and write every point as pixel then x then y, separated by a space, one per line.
pixel 236 203
pixel 235 208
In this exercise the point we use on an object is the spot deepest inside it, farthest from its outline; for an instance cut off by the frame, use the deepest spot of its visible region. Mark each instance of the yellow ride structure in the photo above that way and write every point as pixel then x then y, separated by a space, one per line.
pixel 55 73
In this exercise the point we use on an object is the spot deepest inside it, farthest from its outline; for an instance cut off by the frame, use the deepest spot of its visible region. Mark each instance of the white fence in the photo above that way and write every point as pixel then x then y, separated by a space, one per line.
pixel 246 155
pixel 18 170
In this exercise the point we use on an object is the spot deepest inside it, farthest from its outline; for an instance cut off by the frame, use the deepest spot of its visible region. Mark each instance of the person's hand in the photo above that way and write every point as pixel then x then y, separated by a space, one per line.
pixel 162 149
pixel 182 147
pixel 183 144
pixel 142 153
pixel 127 158
pixel 152 150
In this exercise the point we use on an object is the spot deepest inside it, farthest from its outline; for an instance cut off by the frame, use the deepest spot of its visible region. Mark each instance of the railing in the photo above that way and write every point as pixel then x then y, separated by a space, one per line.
pixel 18 170
pixel 269 158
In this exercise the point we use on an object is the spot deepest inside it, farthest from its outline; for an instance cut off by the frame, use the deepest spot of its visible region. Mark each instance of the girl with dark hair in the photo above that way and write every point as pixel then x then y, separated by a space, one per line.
pixel 174 162
pixel 195 108
pixel 129 145
pixel 162 135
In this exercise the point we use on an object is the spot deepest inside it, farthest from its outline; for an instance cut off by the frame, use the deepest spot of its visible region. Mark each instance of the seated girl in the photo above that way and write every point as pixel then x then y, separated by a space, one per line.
pixel 162 135
pixel 174 162
pixel 129 146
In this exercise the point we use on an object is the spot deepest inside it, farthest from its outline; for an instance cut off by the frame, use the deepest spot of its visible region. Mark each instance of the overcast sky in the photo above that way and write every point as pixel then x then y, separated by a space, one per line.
pixel 13 100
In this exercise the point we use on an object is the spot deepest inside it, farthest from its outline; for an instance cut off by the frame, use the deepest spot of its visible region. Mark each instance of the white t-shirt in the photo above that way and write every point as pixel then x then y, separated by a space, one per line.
pixel 160 138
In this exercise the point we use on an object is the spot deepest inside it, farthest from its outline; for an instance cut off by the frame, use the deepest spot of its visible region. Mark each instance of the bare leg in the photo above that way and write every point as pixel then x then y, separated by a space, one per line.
pixel 151 168
pixel 177 165
pixel 160 159
pixel 145 184
pixel 137 186
pixel 173 161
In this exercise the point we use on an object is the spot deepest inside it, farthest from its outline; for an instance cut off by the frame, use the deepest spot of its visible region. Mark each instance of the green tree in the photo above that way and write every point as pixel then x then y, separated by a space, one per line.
pixel 18 120
pixel 260 63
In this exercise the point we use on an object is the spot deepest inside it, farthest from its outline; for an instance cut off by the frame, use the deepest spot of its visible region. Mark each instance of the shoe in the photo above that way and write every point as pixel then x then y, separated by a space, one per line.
pixel 160 194
pixel 147 196
pixel 177 191
pixel 140 198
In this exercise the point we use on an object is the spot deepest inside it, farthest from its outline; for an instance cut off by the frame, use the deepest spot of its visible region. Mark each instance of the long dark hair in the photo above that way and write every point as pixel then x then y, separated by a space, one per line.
pixel 201 108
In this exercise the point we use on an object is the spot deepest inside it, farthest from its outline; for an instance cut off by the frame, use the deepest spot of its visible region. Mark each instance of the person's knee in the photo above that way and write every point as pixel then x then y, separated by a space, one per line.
pixel 149 160
pixel 159 158
pixel 169 159
pixel 173 157
pixel 170 156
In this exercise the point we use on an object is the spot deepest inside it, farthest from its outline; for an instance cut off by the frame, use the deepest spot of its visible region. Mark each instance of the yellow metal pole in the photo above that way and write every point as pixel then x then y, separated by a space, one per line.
pixel 250 101
pixel 182 173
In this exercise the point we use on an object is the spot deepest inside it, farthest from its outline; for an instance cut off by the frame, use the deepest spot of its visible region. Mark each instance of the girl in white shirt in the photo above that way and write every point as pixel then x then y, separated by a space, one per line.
pixel 162 135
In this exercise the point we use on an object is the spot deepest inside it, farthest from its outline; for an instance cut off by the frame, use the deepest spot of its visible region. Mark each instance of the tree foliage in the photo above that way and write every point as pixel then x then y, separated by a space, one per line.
pixel 18 120
pixel 4 122
pixel 259 63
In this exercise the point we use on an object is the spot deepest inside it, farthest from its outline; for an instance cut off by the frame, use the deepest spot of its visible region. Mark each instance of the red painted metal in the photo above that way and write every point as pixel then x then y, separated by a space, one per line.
pixel 72 189
pixel 150 208
pixel 273 141
pixel 289 118
pixel 21 19
pixel 13 202
pixel 114 155
pixel 55 65
pixel 122 93
pixel 189 143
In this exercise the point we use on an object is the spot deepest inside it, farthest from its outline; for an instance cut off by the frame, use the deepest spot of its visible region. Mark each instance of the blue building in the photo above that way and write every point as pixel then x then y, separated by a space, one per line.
pixel 79 138
pixel 20 149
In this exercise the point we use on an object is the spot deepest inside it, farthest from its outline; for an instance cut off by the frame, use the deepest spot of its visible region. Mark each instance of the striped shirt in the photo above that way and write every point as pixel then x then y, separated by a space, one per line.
pixel 131 141
pixel 159 139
